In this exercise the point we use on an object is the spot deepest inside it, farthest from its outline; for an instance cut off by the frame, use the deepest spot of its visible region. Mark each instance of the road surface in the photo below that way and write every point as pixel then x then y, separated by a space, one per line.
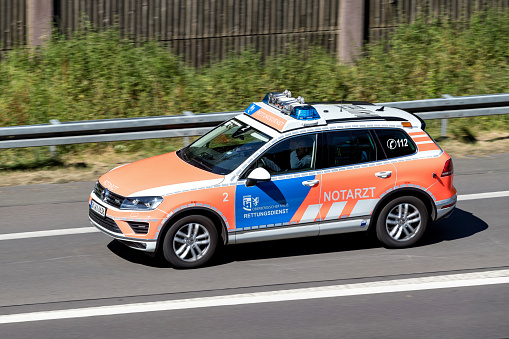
pixel 75 282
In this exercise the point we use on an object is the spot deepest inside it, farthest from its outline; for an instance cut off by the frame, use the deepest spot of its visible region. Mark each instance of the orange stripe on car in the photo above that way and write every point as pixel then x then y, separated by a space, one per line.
pixel 324 210
pixel 412 134
pixel 428 147
pixel 423 138
pixel 348 208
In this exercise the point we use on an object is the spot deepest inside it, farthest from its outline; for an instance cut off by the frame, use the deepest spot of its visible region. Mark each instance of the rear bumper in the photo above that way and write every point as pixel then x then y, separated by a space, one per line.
pixel 445 207
pixel 138 244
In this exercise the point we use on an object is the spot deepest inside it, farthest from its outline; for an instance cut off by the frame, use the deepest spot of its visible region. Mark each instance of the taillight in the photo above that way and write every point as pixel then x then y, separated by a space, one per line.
pixel 448 168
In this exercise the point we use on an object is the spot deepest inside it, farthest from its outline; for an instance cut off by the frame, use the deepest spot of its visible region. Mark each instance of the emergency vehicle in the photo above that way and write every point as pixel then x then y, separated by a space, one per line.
pixel 282 169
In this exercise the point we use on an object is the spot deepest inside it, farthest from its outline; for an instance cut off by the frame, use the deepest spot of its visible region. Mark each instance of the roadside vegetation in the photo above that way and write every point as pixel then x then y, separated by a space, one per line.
pixel 100 75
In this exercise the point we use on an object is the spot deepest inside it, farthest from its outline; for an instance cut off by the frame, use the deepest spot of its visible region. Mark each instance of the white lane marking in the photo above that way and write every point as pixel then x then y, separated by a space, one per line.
pixel 390 286
pixel 487 195
pixel 49 259
pixel 67 231
pixel 51 233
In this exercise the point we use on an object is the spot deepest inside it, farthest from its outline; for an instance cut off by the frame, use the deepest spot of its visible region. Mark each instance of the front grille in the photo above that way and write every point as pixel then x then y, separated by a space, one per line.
pixel 139 227
pixel 108 196
pixel 105 222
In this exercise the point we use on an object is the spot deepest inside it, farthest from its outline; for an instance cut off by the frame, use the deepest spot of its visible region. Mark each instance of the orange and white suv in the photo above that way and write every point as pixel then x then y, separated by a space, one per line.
pixel 282 169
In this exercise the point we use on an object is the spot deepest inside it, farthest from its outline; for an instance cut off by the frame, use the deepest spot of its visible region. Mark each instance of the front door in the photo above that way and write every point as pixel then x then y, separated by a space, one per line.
pixel 287 205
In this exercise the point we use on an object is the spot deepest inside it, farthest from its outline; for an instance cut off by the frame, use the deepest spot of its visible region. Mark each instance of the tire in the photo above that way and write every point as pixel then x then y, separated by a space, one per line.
pixel 190 242
pixel 402 222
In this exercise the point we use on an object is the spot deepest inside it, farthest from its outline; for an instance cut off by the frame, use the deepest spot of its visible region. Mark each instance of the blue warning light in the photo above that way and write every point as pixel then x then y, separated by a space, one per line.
pixel 304 113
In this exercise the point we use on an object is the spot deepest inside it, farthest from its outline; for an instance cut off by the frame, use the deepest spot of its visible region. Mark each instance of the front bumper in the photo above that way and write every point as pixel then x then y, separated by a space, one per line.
pixel 138 244
pixel 445 207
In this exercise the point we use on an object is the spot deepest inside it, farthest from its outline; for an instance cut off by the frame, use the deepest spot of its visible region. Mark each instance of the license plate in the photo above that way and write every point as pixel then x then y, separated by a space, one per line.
pixel 99 209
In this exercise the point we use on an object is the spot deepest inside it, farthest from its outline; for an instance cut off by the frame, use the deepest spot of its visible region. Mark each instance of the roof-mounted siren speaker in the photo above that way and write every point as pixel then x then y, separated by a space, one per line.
pixel 278 99
pixel 269 97
pixel 291 104
pixel 294 107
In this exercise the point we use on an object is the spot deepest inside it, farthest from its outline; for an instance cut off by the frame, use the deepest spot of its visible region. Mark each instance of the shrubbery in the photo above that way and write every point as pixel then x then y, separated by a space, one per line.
pixel 99 74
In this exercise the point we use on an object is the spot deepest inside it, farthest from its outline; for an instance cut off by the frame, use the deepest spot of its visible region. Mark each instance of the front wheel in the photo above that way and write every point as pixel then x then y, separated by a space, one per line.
pixel 190 242
pixel 402 222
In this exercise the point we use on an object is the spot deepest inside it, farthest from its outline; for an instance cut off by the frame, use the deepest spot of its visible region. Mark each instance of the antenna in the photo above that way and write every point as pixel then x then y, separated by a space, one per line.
pixel 342 93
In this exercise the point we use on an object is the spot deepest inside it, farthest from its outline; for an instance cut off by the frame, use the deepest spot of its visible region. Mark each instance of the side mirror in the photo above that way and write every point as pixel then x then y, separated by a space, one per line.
pixel 258 174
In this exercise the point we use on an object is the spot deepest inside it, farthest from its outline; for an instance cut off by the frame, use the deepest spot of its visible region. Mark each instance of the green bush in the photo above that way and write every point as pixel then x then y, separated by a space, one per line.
pixel 427 59
pixel 99 74
pixel 92 75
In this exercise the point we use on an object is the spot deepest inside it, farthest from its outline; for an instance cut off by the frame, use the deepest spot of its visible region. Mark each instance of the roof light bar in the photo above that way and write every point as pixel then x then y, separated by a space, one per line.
pixel 280 99
pixel 294 107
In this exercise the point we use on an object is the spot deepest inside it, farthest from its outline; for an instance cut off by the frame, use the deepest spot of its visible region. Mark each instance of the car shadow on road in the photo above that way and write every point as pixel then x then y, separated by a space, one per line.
pixel 460 224
pixel 136 256
pixel 295 247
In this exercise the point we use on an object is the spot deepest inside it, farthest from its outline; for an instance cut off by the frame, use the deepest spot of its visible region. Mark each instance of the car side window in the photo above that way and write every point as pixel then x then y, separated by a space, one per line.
pixel 290 155
pixel 395 142
pixel 349 147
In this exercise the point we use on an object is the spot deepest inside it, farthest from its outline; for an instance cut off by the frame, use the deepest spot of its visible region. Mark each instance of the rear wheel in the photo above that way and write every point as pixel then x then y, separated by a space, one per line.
pixel 402 222
pixel 190 242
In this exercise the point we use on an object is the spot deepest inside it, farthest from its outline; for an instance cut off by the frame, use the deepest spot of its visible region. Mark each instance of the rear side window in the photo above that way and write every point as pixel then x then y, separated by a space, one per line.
pixel 349 147
pixel 395 142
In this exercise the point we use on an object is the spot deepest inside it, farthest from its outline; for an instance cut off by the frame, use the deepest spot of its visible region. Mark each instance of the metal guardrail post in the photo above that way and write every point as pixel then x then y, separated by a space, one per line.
pixel 443 123
pixel 53 149
pixel 186 139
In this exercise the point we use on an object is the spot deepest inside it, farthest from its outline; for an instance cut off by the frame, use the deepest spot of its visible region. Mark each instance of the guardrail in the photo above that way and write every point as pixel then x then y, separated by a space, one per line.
pixel 66 133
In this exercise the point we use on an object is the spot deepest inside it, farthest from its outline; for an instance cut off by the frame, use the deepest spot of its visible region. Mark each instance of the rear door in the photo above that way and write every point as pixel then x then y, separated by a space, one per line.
pixel 355 176
pixel 417 159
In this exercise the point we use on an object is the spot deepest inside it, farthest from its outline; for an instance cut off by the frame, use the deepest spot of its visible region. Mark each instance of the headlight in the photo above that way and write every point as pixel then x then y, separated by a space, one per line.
pixel 141 203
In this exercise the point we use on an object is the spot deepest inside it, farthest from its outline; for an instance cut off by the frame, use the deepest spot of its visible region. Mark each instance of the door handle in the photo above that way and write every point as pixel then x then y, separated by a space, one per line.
pixel 311 183
pixel 384 174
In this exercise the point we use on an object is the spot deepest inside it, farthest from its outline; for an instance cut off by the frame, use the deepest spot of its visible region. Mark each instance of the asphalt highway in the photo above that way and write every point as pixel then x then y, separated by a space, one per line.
pixel 89 272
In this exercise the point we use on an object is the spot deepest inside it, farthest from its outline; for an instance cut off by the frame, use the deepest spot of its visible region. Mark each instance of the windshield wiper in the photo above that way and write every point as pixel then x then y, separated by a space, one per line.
pixel 202 165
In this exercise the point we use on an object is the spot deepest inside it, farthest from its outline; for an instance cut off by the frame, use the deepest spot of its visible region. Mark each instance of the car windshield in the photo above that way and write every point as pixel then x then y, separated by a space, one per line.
pixel 223 149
